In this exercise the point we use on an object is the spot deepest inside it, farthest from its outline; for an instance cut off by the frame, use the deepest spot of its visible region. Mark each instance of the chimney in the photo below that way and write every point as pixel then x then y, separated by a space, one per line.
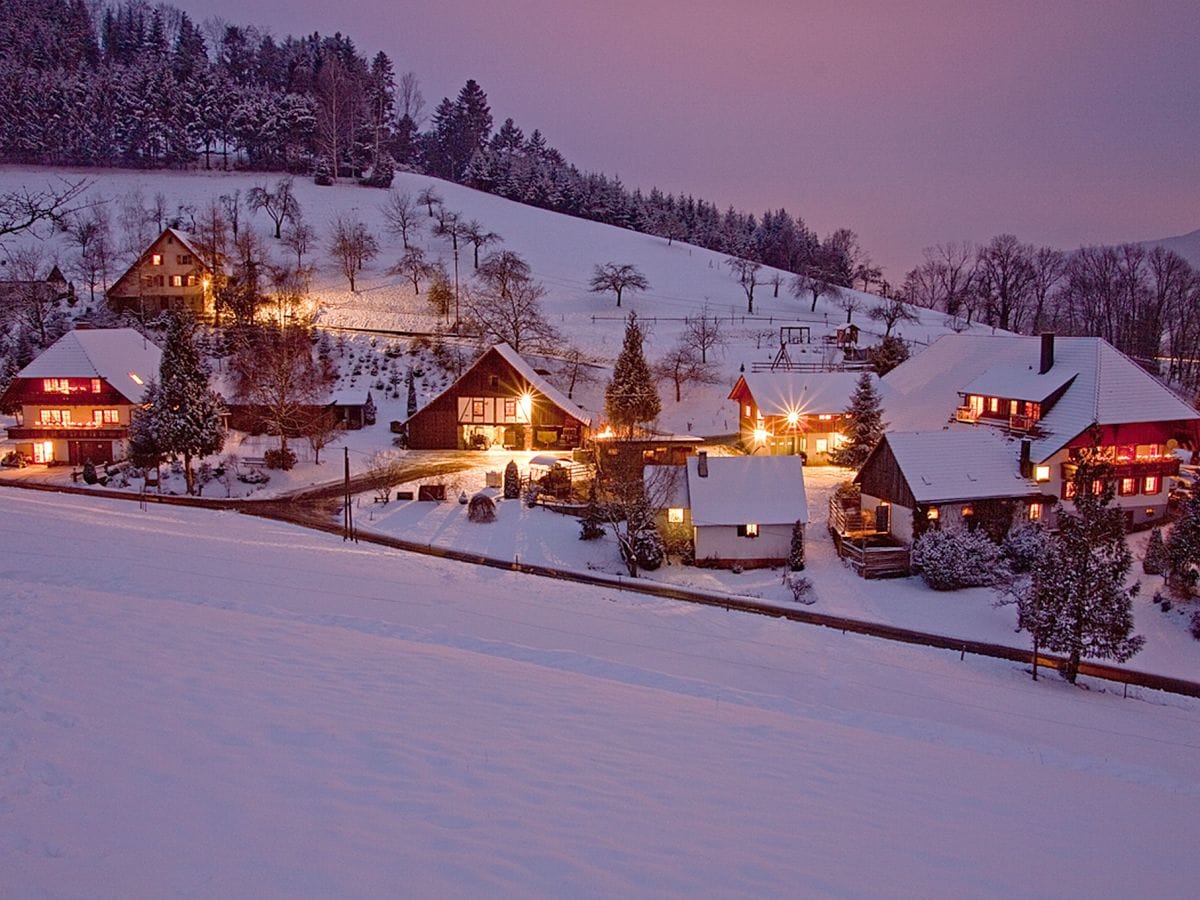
pixel 702 463
pixel 1026 449
pixel 1047 352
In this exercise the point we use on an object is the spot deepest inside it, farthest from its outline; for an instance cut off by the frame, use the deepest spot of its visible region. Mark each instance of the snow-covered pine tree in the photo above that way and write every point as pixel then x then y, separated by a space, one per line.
pixel 1183 546
pixel 1156 561
pixel 512 481
pixel 632 396
pixel 145 451
pixel 591 523
pixel 187 412
pixel 411 402
pixel 863 424
pixel 796 552
pixel 1078 602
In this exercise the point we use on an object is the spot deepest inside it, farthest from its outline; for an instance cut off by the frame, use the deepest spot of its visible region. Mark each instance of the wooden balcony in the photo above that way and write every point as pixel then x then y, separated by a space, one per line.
pixel 68 432
pixel 1021 423
pixel 965 414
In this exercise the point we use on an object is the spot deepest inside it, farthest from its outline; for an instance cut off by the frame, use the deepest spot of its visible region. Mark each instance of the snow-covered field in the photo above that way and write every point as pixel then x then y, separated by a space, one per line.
pixel 205 704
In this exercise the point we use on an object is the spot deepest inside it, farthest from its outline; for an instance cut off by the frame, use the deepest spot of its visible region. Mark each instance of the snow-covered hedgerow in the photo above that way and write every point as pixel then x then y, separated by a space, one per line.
pixel 953 558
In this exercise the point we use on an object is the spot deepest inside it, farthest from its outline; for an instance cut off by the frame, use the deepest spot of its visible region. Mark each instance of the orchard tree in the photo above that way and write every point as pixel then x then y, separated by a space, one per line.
pixel 279 204
pixel 400 214
pixel 413 266
pixel 478 237
pixel 631 397
pixel 863 424
pixel 616 279
pixel 682 366
pixel 352 245
pixel 1078 602
pixel 746 272
pixel 703 334
pixel 891 312
pixel 186 412
pixel 816 282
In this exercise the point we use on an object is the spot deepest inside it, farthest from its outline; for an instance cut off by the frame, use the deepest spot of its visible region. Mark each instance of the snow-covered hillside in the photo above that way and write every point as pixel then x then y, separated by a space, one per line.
pixel 562 251
pixel 206 704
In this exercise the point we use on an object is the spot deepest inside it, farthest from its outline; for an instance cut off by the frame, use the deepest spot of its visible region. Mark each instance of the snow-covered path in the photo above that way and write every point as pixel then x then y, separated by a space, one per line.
pixel 205 704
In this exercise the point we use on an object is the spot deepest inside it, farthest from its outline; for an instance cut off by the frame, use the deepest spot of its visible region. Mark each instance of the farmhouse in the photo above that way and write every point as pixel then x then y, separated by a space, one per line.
pixel 74 402
pixel 791 413
pixel 741 509
pixel 499 402
pixel 1052 399
pixel 171 274
pixel 54 287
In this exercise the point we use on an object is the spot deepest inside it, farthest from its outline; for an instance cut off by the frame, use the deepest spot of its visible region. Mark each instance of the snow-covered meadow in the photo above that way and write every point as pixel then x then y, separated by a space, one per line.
pixel 207 704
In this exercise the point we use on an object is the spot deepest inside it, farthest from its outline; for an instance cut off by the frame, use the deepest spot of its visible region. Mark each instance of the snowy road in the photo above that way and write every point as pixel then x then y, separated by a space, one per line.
pixel 200 703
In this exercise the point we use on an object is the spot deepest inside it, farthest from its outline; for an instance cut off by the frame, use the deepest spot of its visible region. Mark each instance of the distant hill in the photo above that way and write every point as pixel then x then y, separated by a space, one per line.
pixel 1186 245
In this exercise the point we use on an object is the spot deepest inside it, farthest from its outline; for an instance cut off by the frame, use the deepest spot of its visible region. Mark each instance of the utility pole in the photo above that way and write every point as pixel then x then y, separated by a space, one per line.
pixel 348 504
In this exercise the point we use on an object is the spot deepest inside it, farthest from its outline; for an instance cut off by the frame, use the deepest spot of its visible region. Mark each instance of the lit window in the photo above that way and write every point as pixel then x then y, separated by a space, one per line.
pixel 933 514
pixel 95 385
pixel 1128 486
pixel 191 281
pixel 1098 486
pixel 54 417
pixel 176 281
pixel 968 511
pixel 106 417
pixel 1035 512
pixel 822 445
pixel 748 531
pixel 748 411
pixel 156 259
pixel 1150 484
pixel 1041 473
pixel 56 386
pixel 43 451
pixel 135 378
pixel 825 417
pixel 1068 489
pixel 1012 407
pixel 510 409
pixel 477 409
pixel 994 404
pixel 675 515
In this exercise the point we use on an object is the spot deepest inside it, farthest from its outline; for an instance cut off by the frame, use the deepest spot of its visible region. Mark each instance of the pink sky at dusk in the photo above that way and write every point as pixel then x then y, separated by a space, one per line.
pixel 1066 123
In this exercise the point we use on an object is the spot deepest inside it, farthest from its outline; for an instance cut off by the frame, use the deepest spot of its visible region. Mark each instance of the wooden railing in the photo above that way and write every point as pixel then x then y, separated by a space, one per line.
pixel 965 414
pixel 876 562
pixel 843 521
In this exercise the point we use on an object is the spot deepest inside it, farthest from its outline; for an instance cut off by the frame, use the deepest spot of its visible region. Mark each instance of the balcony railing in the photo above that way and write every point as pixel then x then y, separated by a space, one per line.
pixel 965 414
pixel 71 432
pixel 1021 423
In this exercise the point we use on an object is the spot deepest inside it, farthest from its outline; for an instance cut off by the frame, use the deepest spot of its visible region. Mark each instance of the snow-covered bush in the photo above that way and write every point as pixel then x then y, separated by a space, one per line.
pixel 953 558
pixel 801 587
pixel 481 509
pixel 1156 561
pixel 89 472
pixel 648 549
pixel 253 476
pixel 1024 545
pixel 591 523
pixel 279 459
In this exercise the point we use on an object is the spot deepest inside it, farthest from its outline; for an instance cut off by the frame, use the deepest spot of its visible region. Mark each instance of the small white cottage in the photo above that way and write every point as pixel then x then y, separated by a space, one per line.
pixel 742 509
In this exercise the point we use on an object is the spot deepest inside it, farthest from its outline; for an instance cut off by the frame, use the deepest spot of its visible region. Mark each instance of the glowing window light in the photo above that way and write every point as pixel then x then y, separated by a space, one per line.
pixel 760 435
pixel 1041 473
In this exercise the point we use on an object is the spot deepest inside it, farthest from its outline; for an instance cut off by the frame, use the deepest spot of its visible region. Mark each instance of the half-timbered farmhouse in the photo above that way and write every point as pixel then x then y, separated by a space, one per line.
pixel 499 402
pixel 74 402
pixel 172 273
pixel 794 413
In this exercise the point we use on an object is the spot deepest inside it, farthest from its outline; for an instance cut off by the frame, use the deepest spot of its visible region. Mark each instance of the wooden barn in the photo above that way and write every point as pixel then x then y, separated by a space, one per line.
pixel 499 402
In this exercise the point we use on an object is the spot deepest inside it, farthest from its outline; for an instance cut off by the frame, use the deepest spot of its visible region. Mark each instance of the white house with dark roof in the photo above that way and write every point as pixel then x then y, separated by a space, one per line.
pixel 75 401
pixel 741 509
pixel 795 413
pixel 1046 400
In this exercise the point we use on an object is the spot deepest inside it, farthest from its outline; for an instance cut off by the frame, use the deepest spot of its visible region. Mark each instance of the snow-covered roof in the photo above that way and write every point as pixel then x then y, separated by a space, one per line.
pixel 1103 385
pixel 189 242
pixel 960 464
pixel 121 356
pixel 347 397
pixel 809 393
pixel 766 490
pixel 1019 383
pixel 549 391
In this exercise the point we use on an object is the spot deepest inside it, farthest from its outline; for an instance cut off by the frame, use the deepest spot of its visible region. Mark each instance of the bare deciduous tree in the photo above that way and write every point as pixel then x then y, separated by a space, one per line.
pixel 512 314
pixel 616 278
pixel 682 366
pixel 280 204
pixel 477 236
pixel 353 246
pixel 892 312
pixel 23 209
pixel 818 284
pixel 299 237
pixel 400 214
pixel 429 198
pixel 413 266
pixel 703 334
pixel 746 272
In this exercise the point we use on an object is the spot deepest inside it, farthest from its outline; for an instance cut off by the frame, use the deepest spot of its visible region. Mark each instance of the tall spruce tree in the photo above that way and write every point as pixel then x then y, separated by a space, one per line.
pixel 863 424
pixel 1078 602
pixel 186 411
pixel 1183 546
pixel 631 397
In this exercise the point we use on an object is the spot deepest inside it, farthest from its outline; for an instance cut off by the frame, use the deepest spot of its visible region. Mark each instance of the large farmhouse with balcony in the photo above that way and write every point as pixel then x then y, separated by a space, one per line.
pixel 171 274
pixel 791 413
pixel 74 402
pixel 1034 405
pixel 501 401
